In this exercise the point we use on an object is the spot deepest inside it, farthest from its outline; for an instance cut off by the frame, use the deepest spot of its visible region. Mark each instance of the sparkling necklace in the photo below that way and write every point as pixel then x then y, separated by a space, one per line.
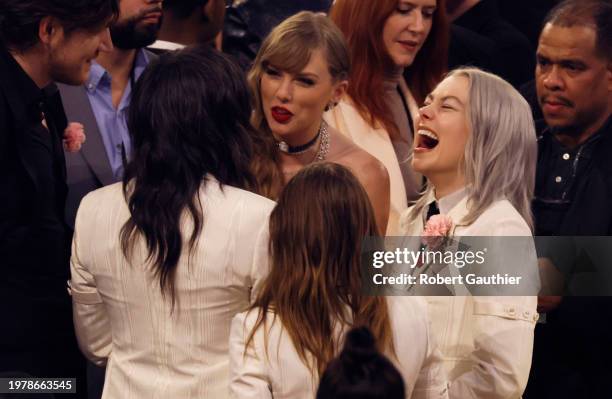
pixel 323 144
pixel 323 134
pixel 300 149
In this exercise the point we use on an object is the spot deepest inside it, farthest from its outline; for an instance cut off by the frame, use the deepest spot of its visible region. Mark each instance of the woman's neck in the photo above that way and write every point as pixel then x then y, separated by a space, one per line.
pixel 394 75
pixel 445 185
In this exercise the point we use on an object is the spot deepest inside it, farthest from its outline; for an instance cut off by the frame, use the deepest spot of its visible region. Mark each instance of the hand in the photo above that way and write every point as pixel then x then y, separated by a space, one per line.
pixel 546 303
pixel 74 137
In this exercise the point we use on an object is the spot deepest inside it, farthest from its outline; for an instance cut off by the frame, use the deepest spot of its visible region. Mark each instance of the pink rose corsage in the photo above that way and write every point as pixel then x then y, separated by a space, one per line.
pixel 436 231
pixel 74 137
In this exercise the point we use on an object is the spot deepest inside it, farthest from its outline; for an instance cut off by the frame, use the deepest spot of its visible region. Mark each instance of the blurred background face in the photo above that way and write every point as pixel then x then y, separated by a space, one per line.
pixel 407 28
pixel 573 82
pixel 442 129
pixel 138 23
pixel 71 54
pixel 293 104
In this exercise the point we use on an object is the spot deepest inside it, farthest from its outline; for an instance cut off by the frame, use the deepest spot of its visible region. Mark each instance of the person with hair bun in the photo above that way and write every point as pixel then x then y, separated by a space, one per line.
pixel 161 263
pixel 280 347
pixel 361 372
pixel 476 144
pixel 398 53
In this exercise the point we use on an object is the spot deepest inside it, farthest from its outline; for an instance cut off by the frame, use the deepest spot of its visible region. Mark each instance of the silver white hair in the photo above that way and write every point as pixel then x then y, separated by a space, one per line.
pixel 500 154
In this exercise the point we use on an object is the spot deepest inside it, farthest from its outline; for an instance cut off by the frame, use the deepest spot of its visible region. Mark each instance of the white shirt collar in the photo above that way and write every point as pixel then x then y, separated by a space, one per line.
pixel 165 45
pixel 448 202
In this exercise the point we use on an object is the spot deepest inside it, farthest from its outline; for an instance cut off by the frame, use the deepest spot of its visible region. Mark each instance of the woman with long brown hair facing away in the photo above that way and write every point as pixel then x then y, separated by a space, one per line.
pixel 398 54
pixel 300 71
pixel 313 295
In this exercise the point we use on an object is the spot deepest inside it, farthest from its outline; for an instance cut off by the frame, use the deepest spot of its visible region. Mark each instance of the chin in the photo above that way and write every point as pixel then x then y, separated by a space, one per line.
pixel 556 122
pixel 404 61
pixel 419 167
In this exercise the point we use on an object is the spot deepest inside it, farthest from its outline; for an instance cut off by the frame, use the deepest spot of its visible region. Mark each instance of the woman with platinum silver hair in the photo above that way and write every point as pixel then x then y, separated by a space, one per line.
pixel 476 144
pixel 300 72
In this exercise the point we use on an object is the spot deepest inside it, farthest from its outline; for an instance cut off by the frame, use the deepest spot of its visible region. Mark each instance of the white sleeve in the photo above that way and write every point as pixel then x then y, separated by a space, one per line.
pixel 503 343
pixel 91 322
pixel 248 371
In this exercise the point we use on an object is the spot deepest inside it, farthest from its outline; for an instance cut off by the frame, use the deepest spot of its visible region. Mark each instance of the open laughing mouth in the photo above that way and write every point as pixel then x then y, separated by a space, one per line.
pixel 426 140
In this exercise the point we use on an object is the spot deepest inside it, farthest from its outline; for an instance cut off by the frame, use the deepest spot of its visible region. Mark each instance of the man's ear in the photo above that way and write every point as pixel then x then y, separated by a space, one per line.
pixel 214 12
pixel 49 29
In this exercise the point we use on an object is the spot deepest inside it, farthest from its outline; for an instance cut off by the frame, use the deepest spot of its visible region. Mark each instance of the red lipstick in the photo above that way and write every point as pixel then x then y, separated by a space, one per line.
pixel 281 115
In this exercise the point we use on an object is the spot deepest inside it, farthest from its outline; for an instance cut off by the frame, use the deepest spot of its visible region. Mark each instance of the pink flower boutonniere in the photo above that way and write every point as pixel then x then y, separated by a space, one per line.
pixel 74 137
pixel 436 231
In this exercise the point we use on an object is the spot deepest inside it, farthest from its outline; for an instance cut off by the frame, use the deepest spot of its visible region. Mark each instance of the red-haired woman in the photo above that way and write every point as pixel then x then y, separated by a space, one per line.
pixel 398 53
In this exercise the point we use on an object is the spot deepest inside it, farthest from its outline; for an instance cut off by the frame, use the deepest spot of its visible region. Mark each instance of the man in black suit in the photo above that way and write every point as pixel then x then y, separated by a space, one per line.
pixel 41 42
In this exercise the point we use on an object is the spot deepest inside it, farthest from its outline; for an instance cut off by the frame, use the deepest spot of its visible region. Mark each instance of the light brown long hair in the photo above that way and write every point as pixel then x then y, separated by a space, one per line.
pixel 362 23
pixel 289 47
pixel 314 286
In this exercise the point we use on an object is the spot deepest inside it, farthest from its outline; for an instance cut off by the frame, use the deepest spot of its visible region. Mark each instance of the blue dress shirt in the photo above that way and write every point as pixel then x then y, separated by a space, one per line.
pixel 112 122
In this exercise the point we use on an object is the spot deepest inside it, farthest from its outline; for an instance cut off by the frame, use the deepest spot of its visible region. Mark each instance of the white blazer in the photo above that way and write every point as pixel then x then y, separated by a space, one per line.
pixel 376 141
pixel 486 341
pixel 281 374
pixel 121 318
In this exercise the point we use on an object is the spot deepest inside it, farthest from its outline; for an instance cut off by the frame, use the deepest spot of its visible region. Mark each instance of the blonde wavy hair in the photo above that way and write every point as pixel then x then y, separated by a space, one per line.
pixel 289 47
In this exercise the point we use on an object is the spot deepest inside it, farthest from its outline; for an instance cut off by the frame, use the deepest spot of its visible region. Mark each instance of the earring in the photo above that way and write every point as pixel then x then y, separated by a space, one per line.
pixel 330 106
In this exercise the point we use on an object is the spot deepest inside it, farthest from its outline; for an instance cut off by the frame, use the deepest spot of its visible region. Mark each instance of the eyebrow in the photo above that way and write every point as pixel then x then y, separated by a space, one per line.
pixel 409 3
pixel 432 97
pixel 311 75
pixel 575 61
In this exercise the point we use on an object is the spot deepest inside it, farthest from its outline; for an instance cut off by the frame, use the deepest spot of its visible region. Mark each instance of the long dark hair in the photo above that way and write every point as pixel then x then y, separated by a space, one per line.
pixel 315 280
pixel 189 122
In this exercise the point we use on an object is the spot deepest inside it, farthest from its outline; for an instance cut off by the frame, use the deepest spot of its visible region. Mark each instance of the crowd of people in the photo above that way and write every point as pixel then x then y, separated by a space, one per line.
pixel 209 211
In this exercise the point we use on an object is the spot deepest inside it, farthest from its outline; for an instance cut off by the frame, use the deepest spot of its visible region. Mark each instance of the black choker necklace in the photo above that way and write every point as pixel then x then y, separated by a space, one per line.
pixel 286 148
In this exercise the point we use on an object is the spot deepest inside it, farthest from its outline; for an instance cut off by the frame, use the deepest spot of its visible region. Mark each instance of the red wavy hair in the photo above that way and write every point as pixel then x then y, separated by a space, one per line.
pixel 362 25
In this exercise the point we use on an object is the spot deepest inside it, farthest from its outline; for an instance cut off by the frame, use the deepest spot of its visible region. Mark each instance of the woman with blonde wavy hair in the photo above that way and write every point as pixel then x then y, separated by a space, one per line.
pixel 313 295
pixel 301 71
pixel 476 144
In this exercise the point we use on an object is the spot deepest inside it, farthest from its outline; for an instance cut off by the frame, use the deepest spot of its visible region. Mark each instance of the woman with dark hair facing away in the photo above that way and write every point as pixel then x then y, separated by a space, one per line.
pixel 398 54
pixel 300 71
pixel 361 372
pixel 313 295
pixel 161 263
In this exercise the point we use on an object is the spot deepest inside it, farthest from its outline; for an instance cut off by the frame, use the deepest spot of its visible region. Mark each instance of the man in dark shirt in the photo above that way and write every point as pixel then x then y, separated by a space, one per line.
pixel 40 42
pixel 573 195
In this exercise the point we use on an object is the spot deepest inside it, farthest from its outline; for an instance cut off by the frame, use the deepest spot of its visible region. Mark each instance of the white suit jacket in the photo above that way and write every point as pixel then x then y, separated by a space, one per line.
pixel 376 141
pixel 121 318
pixel 280 373
pixel 486 341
